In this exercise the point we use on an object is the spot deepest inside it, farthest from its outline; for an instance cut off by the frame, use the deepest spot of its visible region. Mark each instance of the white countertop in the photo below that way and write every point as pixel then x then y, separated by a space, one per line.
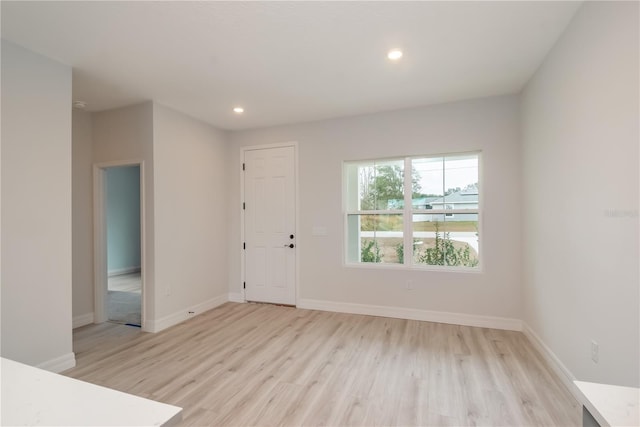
pixel 611 405
pixel 35 397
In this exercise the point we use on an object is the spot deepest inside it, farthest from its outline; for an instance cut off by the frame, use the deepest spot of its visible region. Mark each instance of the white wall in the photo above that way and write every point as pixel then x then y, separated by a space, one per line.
pixel 36 209
pixel 126 134
pixel 490 125
pixel 82 217
pixel 580 157
pixel 191 199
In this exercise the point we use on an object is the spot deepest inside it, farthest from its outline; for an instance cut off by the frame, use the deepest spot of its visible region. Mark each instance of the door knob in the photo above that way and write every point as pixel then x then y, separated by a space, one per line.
pixel 289 245
pixel 291 236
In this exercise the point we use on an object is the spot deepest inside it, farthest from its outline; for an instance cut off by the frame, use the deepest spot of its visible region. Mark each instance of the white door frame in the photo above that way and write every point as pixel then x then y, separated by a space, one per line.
pixel 293 144
pixel 100 239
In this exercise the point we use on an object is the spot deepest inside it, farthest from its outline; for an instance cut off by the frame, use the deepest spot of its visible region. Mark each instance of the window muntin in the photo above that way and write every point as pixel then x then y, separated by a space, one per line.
pixel 427 218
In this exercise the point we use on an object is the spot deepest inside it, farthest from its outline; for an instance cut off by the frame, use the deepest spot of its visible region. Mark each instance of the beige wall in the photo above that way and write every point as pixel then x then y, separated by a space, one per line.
pixel 490 125
pixel 185 206
pixel 191 193
pixel 122 135
pixel 580 156
pixel 572 164
pixel 36 209
pixel 82 217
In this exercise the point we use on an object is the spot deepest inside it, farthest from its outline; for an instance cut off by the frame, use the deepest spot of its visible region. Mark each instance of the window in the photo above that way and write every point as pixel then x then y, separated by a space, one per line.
pixel 426 218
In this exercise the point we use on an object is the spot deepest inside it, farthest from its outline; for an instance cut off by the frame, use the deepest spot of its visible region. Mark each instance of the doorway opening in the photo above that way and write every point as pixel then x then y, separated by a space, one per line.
pixel 119 243
pixel 124 282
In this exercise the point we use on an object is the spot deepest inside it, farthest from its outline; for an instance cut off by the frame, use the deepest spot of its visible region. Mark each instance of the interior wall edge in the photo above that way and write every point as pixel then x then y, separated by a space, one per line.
pixel 157 325
pixel 563 373
pixel 462 319
pixel 59 364
pixel 83 320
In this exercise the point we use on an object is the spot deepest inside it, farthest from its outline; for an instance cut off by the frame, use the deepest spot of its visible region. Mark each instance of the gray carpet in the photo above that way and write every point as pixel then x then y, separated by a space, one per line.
pixel 124 307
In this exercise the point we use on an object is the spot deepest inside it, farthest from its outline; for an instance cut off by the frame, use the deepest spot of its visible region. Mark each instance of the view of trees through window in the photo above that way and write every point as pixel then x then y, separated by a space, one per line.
pixel 434 208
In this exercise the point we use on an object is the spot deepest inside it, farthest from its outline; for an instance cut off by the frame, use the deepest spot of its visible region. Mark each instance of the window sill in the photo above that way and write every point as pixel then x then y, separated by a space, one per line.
pixel 401 267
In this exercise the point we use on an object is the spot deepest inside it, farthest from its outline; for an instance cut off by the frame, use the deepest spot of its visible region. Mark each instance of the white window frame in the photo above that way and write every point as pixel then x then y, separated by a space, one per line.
pixel 407 214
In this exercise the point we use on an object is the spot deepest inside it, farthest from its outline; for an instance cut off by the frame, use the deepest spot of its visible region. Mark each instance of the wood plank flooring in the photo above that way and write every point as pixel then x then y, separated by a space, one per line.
pixel 124 298
pixel 257 364
pixel 130 282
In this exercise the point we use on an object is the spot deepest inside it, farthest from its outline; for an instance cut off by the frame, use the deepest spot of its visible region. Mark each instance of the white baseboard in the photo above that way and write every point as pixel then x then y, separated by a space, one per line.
pixel 82 320
pixel 121 271
pixel 182 315
pixel 414 314
pixel 59 364
pixel 236 297
pixel 562 372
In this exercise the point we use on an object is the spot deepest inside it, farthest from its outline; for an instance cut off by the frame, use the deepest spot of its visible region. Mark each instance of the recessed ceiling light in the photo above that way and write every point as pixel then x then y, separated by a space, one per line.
pixel 81 105
pixel 394 54
pixel 238 110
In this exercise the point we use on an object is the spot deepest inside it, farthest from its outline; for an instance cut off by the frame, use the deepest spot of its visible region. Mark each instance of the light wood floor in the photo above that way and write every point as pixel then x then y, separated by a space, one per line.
pixel 130 282
pixel 124 299
pixel 256 364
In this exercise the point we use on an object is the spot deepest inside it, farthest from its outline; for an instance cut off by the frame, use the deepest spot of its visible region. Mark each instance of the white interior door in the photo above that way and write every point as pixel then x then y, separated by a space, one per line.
pixel 269 225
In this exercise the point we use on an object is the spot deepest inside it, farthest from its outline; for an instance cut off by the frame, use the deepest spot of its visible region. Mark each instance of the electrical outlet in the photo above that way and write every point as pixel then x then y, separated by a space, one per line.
pixel 595 350
pixel 409 285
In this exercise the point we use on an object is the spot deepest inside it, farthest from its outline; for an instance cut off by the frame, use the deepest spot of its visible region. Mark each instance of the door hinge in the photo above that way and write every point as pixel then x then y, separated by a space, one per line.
pixel 244 285
pixel 243 166
pixel 244 206
pixel 244 245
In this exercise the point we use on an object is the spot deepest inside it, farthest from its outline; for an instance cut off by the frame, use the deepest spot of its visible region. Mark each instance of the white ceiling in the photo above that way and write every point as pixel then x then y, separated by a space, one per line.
pixel 288 62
